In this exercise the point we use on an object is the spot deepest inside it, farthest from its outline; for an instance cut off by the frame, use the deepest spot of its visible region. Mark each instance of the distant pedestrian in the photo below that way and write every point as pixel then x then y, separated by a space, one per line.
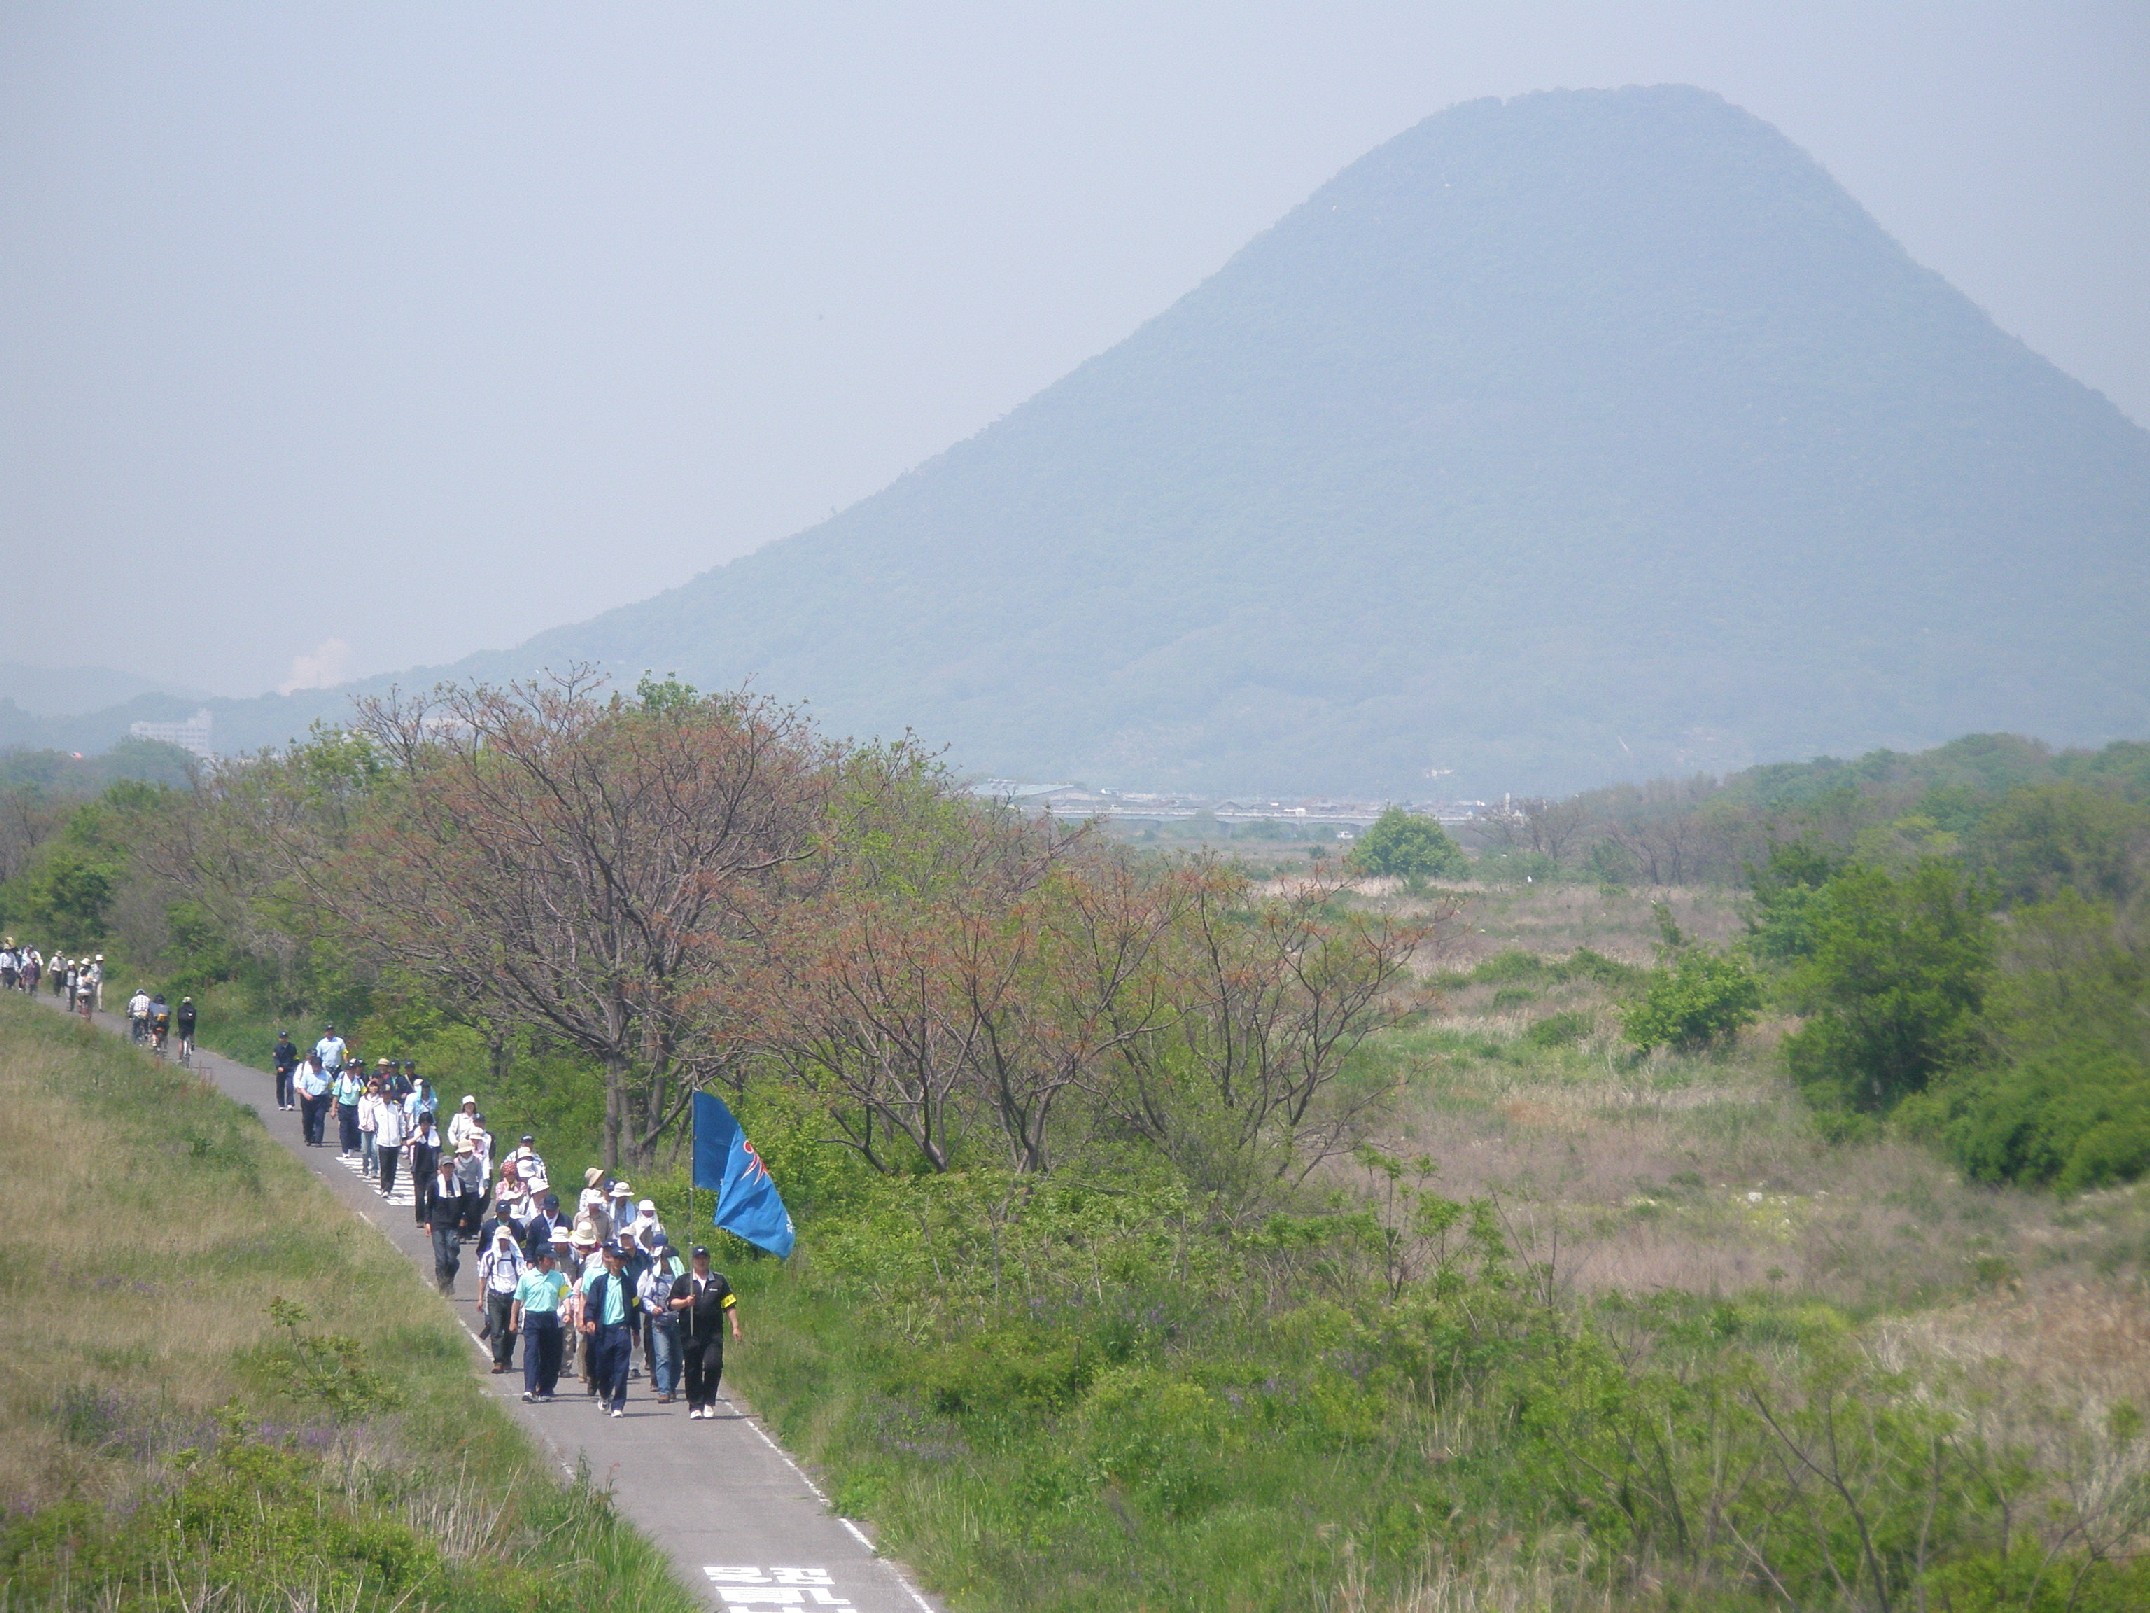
pixel 443 1219
pixel 536 1318
pixel 426 1158
pixel 285 1059
pixel 349 1088
pixel 704 1302
pixel 312 1083
pixel 330 1051
pixel 390 1131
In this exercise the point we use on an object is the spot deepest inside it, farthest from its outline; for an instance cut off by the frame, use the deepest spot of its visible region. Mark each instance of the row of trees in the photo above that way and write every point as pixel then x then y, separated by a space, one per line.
pixel 688 891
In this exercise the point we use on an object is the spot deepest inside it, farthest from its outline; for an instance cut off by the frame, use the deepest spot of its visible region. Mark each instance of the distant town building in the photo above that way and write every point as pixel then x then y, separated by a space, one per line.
pixel 191 735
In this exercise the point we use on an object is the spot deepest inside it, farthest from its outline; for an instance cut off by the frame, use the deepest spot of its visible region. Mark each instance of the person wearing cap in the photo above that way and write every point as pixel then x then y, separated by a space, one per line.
pixel 284 1059
pixel 500 1274
pixel 536 1317
pixel 97 982
pixel 544 1223
pixel 704 1301
pixel 138 1015
pixel 442 1218
pixel 330 1050
pixel 184 1020
pixel 611 1313
pixel 662 1269
pixel 635 1263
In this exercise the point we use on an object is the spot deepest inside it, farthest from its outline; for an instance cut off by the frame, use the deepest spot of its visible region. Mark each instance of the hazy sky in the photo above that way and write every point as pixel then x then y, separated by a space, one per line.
pixel 339 338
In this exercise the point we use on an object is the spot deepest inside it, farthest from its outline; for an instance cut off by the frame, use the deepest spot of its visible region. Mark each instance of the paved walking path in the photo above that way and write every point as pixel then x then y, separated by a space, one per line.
pixel 737 1516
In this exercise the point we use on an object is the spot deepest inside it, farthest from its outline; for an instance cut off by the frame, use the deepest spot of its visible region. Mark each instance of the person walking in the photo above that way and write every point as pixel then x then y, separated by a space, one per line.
pixel 313 1088
pixel 426 1158
pixel 90 989
pixel 704 1301
pixel 443 1219
pixel 610 1311
pixel 369 1127
pixel 285 1060
pixel 661 1324
pixel 97 984
pixel 470 1187
pixel 389 1132
pixel 536 1317
pixel 330 1051
pixel 349 1089
pixel 500 1275
pixel 184 1019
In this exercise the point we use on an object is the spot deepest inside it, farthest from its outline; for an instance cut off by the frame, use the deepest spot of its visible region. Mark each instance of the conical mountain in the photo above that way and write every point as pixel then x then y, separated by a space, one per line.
pixel 1582 435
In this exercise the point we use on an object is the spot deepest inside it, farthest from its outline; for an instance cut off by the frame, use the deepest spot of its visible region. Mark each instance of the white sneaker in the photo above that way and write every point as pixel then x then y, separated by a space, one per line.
pixel 618 1413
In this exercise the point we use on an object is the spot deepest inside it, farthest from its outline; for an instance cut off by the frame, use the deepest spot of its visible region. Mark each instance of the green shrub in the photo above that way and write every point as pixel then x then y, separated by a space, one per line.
pixel 1699 998
pixel 1894 986
pixel 1558 1030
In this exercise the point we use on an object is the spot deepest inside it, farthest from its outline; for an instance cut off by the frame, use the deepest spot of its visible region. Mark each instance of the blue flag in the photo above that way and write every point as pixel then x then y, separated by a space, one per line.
pixel 747 1202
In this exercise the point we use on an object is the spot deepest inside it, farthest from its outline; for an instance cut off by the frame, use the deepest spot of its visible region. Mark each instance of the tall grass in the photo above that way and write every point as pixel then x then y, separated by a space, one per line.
pixel 158 1447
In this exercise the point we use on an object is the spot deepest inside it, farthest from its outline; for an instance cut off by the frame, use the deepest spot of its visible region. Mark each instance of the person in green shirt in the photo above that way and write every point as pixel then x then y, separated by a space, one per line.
pixel 611 1316
pixel 538 1298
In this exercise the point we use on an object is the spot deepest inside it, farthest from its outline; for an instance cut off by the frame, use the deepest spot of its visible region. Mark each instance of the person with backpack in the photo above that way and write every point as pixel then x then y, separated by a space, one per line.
pixel 160 1023
pixel 184 1019
pixel 662 1325
pixel 500 1275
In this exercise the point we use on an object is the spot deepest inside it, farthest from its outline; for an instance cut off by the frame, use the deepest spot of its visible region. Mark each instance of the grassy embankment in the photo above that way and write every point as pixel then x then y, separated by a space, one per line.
pixel 1601 1390
pixel 165 1441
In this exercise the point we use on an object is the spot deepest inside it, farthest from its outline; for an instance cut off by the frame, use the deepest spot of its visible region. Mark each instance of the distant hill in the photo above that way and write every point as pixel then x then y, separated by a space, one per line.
pixel 1581 436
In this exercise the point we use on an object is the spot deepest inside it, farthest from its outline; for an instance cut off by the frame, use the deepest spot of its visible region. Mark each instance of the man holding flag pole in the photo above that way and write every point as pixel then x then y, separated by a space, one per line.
pixel 749 1207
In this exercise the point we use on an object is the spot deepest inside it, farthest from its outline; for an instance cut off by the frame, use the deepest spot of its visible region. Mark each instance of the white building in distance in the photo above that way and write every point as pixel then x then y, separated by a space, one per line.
pixel 191 735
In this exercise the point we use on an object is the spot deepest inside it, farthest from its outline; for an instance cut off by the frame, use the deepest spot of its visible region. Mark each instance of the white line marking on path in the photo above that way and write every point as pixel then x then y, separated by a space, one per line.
pixel 857 1533
pixel 763 1436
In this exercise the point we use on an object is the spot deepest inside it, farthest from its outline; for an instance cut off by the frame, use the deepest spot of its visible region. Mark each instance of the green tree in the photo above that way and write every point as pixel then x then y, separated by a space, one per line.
pixel 1408 846
pixel 1698 998
pixel 1895 986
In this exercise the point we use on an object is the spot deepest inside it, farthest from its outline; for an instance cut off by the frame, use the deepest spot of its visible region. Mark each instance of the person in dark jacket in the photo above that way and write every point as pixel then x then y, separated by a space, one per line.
pixel 611 1317
pixel 442 1216
pixel 285 1060
pixel 705 1302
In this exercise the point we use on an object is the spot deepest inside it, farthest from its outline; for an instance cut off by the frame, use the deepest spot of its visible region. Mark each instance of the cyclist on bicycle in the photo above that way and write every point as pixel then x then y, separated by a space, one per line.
pixel 138 1015
pixel 160 1023
pixel 186 1030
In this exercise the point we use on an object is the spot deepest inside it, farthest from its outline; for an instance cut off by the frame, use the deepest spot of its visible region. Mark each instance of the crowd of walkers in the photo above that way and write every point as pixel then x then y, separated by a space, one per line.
pixel 81 981
pixel 601 1293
